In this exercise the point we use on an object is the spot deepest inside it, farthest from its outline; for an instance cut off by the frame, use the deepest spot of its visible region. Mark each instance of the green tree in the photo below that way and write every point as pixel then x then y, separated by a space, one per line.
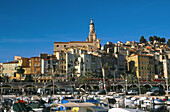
pixel 107 69
pixel 73 72
pixel 29 78
pixel 163 40
pixel 89 76
pixel 20 71
pixel 159 39
pixel 6 78
pixel 168 78
pixel 168 42
pixel 151 39
pixel 150 69
pixel 1 79
pixel 132 78
pixel 86 79
pixel 155 38
pixel 143 40
pixel 160 69
pixel 134 70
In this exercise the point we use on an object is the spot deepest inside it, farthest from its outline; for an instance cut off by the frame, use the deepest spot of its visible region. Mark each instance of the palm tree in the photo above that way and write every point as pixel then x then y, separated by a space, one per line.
pixel 148 67
pixel 55 71
pixel 5 78
pixel 73 72
pixel 89 75
pixel 1 79
pixel 160 68
pixel 134 70
pixel 132 78
pixel 86 78
pixel 29 78
pixel 20 71
pixel 107 67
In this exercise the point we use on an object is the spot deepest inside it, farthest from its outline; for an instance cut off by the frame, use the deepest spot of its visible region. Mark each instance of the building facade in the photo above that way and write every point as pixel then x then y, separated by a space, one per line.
pixel 34 63
pixel 144 66
pixel 9 68
pixel 166 67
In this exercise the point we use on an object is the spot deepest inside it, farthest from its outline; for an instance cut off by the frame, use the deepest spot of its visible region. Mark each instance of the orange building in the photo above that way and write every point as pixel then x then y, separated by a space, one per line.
pixel 34 63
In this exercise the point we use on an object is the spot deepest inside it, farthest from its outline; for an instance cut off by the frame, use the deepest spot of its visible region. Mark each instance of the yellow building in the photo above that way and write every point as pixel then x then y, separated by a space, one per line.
pixel 10 68
pixel 27 70
pixel 144 64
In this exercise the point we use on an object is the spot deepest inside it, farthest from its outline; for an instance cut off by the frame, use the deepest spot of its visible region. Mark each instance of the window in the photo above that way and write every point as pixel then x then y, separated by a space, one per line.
pixel 57 45
pixel 64 45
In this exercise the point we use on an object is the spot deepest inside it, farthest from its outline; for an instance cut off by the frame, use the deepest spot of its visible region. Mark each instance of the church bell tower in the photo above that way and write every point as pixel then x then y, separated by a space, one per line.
pixel 92 34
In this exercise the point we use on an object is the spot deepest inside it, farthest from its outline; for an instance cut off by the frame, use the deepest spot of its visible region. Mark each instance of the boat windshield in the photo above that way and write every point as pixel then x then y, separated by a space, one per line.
pixel 154 89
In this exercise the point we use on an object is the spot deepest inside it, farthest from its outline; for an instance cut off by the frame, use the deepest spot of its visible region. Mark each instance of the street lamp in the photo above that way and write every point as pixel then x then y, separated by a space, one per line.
pixel 44 88
pixel 1 91
pixel 126 84
pixel 166 77
pixel 139 85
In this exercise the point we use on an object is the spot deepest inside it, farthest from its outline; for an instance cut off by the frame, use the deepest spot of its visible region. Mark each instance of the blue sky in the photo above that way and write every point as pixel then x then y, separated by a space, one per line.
pixel 29 27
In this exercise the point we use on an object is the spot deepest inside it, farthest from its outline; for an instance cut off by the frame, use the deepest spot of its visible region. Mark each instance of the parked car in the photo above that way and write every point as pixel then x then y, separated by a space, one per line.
pixel 132 92
pixel 101 92
pixel 156 91
pixel 93 92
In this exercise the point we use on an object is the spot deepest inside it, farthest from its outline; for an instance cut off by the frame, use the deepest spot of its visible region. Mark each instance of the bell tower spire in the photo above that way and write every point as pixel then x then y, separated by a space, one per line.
pixel 92 34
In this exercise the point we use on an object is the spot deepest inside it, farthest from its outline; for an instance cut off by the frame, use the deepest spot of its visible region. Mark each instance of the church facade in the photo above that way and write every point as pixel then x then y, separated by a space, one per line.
pixel 91 43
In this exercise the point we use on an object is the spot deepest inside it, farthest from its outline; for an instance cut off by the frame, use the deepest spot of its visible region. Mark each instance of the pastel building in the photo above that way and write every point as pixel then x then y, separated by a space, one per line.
pixel 34 64
pixel 166 67
pixel 9 68
pixel 142 62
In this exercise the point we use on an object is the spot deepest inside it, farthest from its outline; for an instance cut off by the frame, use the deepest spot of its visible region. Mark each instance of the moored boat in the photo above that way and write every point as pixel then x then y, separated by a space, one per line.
pixel 76 107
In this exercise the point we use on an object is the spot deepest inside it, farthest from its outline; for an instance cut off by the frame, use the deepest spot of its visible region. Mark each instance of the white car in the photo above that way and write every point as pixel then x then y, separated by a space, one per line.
pixel 134 92
pixel 149 93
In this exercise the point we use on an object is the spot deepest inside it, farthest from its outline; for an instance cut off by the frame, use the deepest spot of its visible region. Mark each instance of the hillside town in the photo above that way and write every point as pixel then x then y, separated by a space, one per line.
pixel 149 61
pixel 84 76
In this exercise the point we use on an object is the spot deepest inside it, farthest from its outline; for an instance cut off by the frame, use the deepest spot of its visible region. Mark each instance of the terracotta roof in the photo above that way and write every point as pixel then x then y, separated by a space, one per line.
pixel 80 42
pixel 46 59
pixel 140 55
pixel 148 47
pixel 16 61
pixel 132 50
pixel 35 57
pixel 61 42
pixel 72 42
